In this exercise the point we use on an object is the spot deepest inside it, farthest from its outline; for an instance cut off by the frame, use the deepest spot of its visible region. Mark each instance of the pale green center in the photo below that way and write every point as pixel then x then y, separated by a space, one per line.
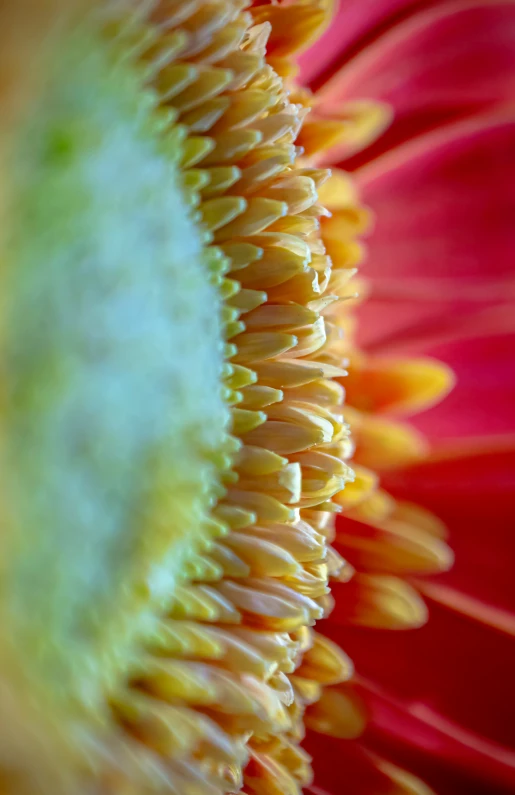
pixel 113 354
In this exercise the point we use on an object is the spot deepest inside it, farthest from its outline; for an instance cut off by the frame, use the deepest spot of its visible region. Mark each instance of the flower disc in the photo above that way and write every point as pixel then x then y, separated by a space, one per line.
pixel 112 409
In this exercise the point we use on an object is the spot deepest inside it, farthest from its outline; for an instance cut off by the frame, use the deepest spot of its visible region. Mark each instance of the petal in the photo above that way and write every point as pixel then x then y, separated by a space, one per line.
pixel 382 443
pixel 347 766
pixel 357 491
pixel 432 66
pixel 454 666
pixel 384 384
pixel 448 757
pixel 390 547
pixel 339 712
pixel 377 601
pixel 455 673
pixel 472 490
pixel 293 27
pixel 433 329
pixel 460 216
pixel 444 253
pixel 354 23
pixel 483 400
pixel 344 762
pixel 347 129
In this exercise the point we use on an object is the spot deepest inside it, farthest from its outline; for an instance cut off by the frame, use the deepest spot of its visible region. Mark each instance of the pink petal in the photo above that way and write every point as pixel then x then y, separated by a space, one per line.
pixel 417 739
pixel 446 756
pixel 454 666
pixel 473 492
pixel 483 400
pixel 434 65
pixel 442 698
pixel 354 24
pixel 442 248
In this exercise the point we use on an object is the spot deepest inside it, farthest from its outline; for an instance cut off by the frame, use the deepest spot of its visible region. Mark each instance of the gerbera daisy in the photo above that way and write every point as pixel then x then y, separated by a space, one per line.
pixel 173 440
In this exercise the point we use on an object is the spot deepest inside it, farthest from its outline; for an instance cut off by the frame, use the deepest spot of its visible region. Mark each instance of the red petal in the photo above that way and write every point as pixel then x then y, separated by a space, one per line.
pixel 473 492
pixel 355 23
pixel 453 666
pixel 414 735
pixel 343 766
pixel 445 250
pixel 450 759
pixel 450 683
pixel 435 65
pixel 483 400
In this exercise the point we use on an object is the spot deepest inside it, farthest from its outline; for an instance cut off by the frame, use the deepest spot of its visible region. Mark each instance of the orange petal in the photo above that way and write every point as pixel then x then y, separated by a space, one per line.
pixel 383 444
pixel 339 712
pixel 391 547
pixel 294 26
pixel 399 385
pixel 378 601
pixel 358 490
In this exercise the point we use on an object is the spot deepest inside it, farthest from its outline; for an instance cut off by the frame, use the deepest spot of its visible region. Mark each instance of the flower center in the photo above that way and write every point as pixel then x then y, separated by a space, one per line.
pixel 113 413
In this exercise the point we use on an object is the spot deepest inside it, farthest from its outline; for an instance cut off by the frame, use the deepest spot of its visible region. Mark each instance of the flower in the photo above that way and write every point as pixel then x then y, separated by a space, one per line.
pixel 440 284
pixel 173 433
